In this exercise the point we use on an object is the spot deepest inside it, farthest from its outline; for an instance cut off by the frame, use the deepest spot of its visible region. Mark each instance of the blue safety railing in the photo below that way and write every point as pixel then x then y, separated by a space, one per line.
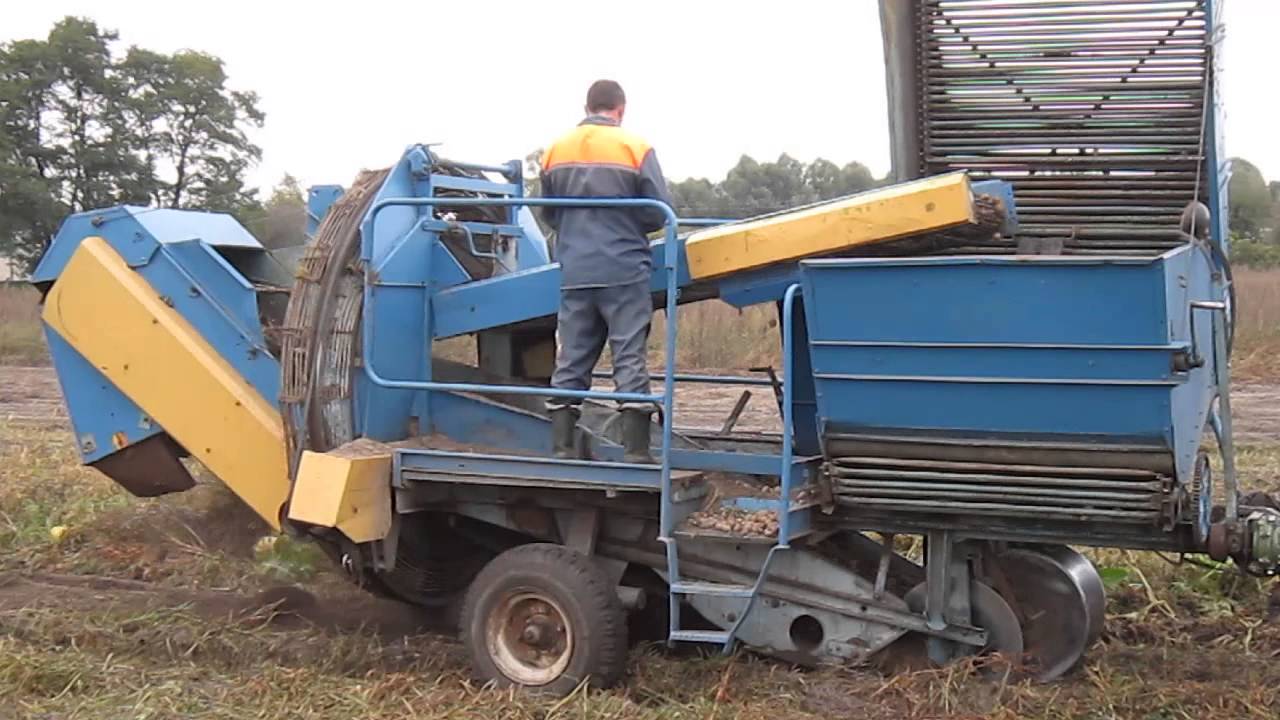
pixel 788 447
pixel 705 222
pixel 726 638
pixel 671 266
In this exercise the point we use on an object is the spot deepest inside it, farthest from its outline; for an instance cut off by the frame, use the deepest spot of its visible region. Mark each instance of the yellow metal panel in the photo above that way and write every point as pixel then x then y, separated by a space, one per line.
pixel 113 317
pixel 352 494
pixel 921 206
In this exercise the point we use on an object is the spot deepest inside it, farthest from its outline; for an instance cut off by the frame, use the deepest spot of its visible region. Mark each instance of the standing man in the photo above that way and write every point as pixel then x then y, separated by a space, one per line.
pixel 605 263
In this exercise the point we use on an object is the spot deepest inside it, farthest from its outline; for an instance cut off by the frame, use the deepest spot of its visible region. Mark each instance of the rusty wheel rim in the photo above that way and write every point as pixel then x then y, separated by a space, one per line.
pixel 529 638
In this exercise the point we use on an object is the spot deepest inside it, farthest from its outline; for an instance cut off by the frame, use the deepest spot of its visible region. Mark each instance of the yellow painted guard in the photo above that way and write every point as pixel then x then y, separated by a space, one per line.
pixel 352 494
pixel 115 319
pixel 912 208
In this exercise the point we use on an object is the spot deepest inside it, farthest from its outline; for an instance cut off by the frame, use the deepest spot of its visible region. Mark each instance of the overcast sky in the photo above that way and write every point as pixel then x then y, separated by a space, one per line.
pixel 351 85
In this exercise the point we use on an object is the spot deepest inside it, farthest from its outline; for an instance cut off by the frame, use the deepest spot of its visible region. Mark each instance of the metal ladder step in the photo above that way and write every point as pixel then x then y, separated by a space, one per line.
pixel 712 589
pixel 718 637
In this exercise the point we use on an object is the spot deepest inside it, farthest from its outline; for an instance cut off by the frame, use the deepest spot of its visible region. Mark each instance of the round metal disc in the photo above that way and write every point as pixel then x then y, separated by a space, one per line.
pixel 529 638
pixel 1060 597
pixel 990 613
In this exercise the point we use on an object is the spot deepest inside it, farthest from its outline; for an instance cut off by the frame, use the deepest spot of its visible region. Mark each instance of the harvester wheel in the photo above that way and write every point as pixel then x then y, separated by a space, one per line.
pixel 1062 603
pixel 544 617
pixel 991 613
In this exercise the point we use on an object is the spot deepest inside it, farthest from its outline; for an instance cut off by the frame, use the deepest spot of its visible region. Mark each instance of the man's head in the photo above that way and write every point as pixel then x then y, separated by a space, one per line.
pixel 605 97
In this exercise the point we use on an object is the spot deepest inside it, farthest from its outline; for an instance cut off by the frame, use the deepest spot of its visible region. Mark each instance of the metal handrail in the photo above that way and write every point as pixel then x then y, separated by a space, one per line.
pixel 671 264
pixel 706 222
pixel 788 450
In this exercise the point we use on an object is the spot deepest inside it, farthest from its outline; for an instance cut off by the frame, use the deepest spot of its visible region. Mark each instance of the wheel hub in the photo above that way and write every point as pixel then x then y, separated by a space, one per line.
pixel 529 638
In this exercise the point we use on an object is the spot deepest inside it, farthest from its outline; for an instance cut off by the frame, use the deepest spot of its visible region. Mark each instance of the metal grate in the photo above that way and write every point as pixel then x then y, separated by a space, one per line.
pixel 1093 109
pixel 1114 495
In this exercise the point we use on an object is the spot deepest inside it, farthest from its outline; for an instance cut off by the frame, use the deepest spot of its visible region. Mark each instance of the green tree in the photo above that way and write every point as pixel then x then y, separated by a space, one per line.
pixel 283 219
pixel 756 188
pixel 198 127
pixel 63 148
pixel 82 127
pixel 1252 210
pixel 697 197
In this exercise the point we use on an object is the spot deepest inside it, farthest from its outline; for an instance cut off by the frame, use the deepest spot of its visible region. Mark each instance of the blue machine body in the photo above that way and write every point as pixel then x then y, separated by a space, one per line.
pixel 180 253
pixel 319 199
pixel 1086 350
pixel 1074 374
pixel 1091 350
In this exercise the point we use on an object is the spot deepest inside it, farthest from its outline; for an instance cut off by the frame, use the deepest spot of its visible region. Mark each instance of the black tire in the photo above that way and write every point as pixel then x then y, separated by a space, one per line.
pixel 544 617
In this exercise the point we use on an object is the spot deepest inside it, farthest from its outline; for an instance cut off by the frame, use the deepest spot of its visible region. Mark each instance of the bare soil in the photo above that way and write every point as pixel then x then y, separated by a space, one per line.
pixel 282 606
pixel 30 395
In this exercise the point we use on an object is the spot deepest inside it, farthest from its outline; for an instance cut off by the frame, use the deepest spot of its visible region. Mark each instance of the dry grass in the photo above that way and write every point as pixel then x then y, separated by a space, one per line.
pixel 21 342
pixel 1257 349
pixel 720 336
pixel 1183 641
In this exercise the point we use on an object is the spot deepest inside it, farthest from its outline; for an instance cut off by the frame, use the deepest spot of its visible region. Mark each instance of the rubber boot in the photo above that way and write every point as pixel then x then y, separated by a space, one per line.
pixel 635 437
pixel 564 431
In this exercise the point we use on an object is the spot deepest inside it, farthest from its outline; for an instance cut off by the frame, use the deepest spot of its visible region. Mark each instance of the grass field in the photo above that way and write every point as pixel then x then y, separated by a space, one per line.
pixel 1257 351
pixel 171 608
pixel 21 342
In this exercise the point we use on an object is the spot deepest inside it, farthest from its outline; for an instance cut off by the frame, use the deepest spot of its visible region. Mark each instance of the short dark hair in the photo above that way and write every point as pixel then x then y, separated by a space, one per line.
pixel 605 95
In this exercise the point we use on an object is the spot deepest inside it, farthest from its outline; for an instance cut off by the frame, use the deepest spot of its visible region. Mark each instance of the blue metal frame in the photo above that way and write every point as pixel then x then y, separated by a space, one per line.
pixel 98 411
pixel 1216 160
pixel 602 474
pixel 476 467
pixel 320 198
pixel 788 416
pixel 782 505
pixel 175 251
pixel 671 266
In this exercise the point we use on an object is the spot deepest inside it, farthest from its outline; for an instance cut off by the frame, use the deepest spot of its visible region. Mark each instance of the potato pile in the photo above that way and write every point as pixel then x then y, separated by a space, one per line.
pixel 734 521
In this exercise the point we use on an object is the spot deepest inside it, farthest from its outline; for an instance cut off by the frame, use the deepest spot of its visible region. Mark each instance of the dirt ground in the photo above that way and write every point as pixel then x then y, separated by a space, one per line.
pixel 30 394
pixel 111 606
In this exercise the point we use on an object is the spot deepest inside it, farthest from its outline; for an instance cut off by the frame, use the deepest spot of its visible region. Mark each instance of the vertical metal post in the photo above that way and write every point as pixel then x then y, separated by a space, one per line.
pixel 788 347
pixel 937 566
pixel 1214 160
pixel 937 561
pixel 428 332
pixel 671 263
pixel 1222 419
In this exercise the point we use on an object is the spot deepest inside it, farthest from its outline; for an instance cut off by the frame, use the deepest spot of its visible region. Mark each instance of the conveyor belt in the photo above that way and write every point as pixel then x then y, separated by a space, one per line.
pixel 1094 110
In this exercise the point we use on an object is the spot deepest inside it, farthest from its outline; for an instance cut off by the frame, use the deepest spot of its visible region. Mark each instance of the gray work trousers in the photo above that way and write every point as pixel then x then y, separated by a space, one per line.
pixel 589 316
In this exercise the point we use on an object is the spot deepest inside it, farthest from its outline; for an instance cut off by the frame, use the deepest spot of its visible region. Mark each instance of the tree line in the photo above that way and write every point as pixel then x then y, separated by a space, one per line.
pixel 84 125
pixel 1254 216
